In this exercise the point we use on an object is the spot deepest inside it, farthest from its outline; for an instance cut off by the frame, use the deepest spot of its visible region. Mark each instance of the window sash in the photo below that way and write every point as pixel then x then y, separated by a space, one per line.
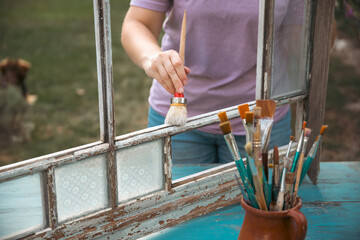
pixel 206 181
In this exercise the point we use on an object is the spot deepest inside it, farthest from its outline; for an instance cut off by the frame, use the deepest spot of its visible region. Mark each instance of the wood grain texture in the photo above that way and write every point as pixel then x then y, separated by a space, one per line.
pixel 319 74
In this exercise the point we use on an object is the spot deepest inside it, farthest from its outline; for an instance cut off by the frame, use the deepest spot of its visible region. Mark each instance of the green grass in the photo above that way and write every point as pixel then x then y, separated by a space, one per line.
pixel 58 39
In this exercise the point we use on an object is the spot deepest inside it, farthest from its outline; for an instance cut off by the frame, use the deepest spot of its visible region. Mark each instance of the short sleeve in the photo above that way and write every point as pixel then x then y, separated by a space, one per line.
pixel 155 5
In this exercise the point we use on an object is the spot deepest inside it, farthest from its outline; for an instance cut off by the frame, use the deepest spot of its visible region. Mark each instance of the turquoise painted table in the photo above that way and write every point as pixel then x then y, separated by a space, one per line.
pixel 332 208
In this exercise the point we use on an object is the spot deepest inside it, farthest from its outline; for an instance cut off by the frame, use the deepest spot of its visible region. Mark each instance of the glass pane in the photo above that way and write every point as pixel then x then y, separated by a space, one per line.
pixel 290 43
pixel 57 39
pixel 21 205
pixel 140 170
pixel 81 187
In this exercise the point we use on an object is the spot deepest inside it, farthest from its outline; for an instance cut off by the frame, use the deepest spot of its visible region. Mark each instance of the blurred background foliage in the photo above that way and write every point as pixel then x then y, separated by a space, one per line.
pixel 347 15
pixel 57 38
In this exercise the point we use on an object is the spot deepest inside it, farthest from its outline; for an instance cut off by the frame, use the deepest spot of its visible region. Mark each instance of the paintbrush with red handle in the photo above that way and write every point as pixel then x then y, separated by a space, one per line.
pixel 177 113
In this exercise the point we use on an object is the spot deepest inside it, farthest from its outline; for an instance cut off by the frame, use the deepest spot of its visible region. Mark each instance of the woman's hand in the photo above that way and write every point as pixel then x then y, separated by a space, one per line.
pixel 168 69
pixel 139 36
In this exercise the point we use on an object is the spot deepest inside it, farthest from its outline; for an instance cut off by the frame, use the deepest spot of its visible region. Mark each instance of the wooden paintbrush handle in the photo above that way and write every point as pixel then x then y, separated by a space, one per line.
pixel 183 38
pixel 264 159
pixel 298 176
pixel 260 193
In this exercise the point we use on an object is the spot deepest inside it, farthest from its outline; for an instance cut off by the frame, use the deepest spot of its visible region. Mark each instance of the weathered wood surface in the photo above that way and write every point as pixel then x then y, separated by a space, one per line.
pixel 319 74
pixel 130 220
pixel 332 209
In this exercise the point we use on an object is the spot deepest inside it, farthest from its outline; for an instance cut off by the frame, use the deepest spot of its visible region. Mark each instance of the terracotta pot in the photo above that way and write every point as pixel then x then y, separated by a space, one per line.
pixel 282 225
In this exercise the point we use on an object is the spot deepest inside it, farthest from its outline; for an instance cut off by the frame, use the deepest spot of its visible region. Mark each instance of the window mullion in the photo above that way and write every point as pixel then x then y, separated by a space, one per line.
pixel 105 88
pixel 265 49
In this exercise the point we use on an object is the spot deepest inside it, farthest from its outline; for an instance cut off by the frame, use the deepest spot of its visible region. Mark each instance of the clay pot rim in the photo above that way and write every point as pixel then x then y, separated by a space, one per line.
pixel 270 214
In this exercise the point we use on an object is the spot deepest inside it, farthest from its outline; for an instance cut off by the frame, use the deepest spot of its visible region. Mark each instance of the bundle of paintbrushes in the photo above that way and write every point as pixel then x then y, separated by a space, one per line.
pixel 266 184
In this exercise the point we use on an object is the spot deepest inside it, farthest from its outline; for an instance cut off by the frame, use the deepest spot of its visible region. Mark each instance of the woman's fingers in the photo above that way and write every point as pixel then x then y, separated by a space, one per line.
pixel 178 65
pixel 168 69
pixel 165 79
pixel 174 76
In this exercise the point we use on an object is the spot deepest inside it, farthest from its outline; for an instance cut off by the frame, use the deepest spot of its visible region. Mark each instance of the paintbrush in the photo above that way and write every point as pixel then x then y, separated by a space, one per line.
pixel 280 197
pixel 312 153
pixel 270 182
pixel 249 119
pixel 242 190
pixel 243 109
pixel 287 162
pixel 231 143
pixel 259 193
pixel 177 113
pixel 256 143
pixel 300 164
pixel 276 171
pixel 289 182
pixel 223 117
pixel 267 118
pixel 298 149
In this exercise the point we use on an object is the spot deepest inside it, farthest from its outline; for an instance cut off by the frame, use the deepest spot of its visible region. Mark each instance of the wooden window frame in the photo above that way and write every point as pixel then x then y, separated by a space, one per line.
pixel 190 196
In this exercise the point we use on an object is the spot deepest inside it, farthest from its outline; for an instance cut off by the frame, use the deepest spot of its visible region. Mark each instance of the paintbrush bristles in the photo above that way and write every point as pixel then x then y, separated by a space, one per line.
pixel 267 107
pixel 223 117
pixel 292 138
pixel 307 132
pixel 323 129
pixel 249 117
pixel 176 115
pixel 257 112
pixel 248 149
pixel 304 125
pixel 276 155
pixel 225 127
pixel 243 109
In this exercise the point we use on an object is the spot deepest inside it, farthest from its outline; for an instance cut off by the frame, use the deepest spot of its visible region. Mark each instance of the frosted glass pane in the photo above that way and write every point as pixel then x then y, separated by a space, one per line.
pixel 289 47
pixel 140 170
pixel 21 205
pixel 81 187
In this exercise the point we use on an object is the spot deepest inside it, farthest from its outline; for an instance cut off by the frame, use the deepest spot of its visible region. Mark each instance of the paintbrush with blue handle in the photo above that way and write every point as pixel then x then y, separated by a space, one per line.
pixel 312 153
pixel 298 149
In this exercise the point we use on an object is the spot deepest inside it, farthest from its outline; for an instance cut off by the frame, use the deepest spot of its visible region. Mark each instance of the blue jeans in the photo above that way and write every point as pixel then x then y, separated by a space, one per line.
pixel 200 147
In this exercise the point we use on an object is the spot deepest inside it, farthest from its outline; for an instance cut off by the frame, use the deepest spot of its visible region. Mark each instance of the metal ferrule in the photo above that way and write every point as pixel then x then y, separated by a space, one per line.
pixel 305 144
pixel 282 185
pixel 178 100
pixel 314 148
pixel 265 126
pixel 298 149
pixel 289 149
pixel 249 133
pixel 230 141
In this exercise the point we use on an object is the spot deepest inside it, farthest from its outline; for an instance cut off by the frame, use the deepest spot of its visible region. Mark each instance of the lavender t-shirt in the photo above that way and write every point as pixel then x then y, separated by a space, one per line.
pixel 221 46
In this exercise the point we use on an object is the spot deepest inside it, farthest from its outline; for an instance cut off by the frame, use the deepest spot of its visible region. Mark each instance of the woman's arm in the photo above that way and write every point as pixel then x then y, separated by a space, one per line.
pixel 140 32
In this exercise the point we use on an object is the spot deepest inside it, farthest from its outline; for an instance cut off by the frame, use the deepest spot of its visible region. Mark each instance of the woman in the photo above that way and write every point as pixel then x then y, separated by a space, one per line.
pixel 220 71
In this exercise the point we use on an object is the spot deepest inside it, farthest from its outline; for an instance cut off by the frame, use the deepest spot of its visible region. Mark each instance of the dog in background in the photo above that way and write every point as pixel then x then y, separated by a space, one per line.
pixel 14 102
pixel 14 72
